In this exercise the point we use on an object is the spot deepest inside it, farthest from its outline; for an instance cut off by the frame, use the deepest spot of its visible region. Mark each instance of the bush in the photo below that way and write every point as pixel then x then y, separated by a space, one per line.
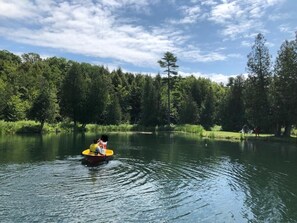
pixel 18 127
pixel 197 129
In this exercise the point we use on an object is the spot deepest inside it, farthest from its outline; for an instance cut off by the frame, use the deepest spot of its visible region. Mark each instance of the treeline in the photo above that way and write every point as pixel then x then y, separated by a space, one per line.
pixel 57 90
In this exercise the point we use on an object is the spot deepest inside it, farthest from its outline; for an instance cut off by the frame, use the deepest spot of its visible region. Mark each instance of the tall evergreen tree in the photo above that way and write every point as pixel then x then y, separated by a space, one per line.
pixel 74 93
pixel 232 107
pixel 113 115
pixel 149 103
pixel 168 62
pixel 258 109
pixel 160 107
pixel 135 99
pixel 45 106
pixel 122 90
pixel 96 94
pixel 284 88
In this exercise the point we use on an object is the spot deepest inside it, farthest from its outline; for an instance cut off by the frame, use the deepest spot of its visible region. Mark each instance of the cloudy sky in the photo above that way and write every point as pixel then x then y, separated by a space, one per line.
pixel 210 38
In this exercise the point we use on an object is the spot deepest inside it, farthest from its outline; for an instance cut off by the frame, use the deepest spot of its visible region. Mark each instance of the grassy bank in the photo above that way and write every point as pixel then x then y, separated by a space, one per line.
pixel 21 127
pixel 25 127
pixel 240 136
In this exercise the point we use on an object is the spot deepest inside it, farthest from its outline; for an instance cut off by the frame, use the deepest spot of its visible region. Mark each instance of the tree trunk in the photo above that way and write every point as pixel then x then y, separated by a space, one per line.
pixel 83 127
pixel 277 130
pixel 41 125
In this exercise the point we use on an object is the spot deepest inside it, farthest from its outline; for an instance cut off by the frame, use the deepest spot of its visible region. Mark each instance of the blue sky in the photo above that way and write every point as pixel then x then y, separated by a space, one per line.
pixel 211 38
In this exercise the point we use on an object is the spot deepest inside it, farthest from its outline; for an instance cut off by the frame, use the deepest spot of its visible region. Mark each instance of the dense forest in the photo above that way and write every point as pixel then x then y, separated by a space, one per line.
pixel 56 90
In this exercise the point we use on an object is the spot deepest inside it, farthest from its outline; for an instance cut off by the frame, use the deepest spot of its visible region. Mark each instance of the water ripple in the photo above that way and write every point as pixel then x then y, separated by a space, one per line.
pixel 213 189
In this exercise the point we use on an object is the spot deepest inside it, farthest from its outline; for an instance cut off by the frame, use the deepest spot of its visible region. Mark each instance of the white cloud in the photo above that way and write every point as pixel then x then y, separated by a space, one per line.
pixel 208 2
pixel 245 43
pixel 15 9
pixel 135 4
pixel 278 16
pixel 99 29
pixel 216 77
pixel 285 28
pixel 193 53
pixel 225 11
pixel 190 15
pixel 90 29
pixel 233 30
pixel 109 66
pixel 269 44
pixel 288 29
pixel 93 29
pixel 238 18
pixel 198 56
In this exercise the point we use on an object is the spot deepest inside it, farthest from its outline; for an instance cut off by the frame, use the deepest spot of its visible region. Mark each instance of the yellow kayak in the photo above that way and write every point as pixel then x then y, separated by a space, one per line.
pixel 94 158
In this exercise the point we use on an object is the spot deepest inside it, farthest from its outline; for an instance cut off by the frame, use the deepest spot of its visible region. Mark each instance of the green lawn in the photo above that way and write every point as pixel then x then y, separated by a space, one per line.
pixel 239 136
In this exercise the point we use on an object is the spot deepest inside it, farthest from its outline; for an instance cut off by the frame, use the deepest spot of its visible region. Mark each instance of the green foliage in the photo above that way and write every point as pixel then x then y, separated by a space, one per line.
pixel 15 109
pixel 109 128
pixel 2 98
pixel 294 132
pixel 216 128
pixel 232 107
pixel 7 127
pixel 135 98
pixel 150 103
pixel 62 94
pixel 189 112
pixel 74 93
pixel 168 62
pixel 197 129
pixel 122 89
pixel 45 107
pixel 208 110
pixel 113 111
pixel 284 94
pixel 258 106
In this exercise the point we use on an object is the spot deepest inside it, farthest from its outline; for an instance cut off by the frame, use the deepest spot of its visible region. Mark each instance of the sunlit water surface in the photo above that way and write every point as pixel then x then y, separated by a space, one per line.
pixel 153 178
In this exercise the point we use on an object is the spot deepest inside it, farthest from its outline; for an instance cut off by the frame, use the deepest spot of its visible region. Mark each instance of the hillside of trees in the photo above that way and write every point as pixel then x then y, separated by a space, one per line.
pixel 56 89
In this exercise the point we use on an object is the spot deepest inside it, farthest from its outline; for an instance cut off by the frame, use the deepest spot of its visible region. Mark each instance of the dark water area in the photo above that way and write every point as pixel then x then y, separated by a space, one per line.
pixel 152 178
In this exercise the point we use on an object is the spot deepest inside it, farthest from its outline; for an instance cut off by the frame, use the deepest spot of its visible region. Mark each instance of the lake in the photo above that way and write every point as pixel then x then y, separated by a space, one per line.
pixel 152 178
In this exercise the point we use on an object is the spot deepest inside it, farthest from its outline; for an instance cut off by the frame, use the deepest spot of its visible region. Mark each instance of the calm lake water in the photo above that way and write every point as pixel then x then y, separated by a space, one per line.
pixel 153 178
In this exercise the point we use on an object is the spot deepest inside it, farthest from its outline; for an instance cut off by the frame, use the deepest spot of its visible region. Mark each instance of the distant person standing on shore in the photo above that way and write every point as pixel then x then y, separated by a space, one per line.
pixel 257 131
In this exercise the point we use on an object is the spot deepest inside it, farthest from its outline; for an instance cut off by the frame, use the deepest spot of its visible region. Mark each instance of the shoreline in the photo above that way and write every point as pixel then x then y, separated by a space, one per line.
pixel 32 127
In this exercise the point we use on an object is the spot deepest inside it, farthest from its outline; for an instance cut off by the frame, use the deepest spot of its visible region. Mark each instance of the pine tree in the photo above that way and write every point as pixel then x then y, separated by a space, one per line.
pixel 149 103
pixel 232 106
pixel 168 62
pixel 74 93
pixel 258 109
pixel 284 88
